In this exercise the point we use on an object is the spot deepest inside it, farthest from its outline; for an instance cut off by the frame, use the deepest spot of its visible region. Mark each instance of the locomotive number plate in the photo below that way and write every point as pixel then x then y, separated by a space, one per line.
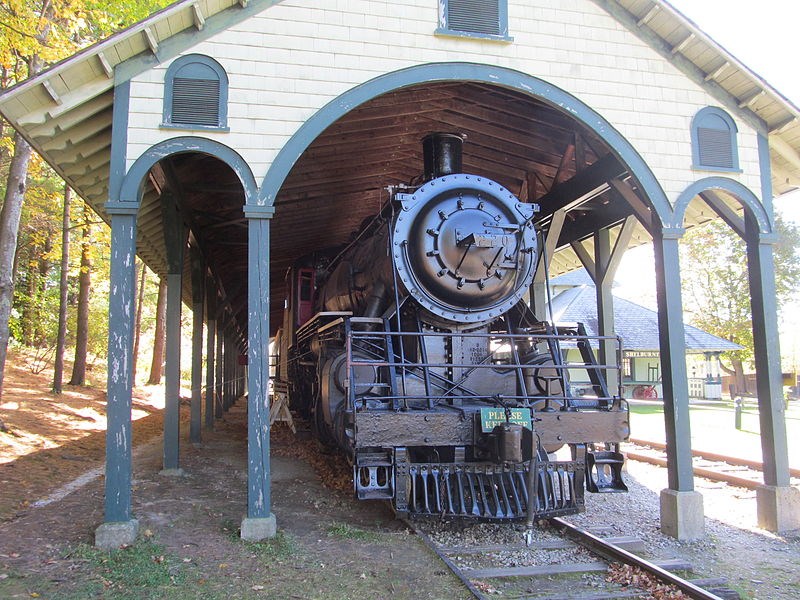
pixel 492 417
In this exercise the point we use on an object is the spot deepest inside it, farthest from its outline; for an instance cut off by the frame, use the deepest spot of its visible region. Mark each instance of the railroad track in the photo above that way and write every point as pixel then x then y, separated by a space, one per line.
pixel 717 467
pixel 563 561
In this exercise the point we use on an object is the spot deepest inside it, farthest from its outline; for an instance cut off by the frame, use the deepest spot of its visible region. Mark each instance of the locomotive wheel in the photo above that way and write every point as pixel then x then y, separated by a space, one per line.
pixel 320 429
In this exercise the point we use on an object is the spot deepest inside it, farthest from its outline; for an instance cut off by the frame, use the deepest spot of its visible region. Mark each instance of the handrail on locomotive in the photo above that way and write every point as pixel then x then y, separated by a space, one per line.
pixel 493 360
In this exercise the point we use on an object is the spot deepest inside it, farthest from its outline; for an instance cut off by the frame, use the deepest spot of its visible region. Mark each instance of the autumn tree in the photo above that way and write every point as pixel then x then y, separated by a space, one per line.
pixel 716 288
pixel 34 34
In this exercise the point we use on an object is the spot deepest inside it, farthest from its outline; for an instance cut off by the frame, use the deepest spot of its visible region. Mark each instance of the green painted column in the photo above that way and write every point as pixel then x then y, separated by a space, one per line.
pixel 220 367
pixel 673 360
pixel 211 312
pixel 766 341
pixel 258 496
pixel 198 306
pixel 119 461
pixel 175 241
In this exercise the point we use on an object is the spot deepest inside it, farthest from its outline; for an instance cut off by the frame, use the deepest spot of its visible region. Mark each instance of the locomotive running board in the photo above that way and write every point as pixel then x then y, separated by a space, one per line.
pixel 490 491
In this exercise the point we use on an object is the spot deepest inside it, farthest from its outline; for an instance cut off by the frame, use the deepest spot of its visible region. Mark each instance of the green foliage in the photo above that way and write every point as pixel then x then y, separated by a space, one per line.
pixel 33 35
pixel 716 289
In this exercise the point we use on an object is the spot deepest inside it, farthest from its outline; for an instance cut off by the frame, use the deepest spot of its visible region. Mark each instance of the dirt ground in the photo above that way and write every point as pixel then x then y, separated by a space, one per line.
pixel 329 546
pixel 51 439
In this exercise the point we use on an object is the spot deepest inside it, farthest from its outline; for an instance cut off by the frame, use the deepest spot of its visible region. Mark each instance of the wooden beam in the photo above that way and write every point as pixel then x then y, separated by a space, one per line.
pixel 52 92
pixel 580 152
pixel 620 246
pixel 782 147
pixel 648 15
pixel 566 158
pixel 640 209
pixel 197 17
pixel 586 259
pixel 725 212
pixel 550 242
pixel 588 184
pixel 150 39
pixel 784 125
pixel 607 215
pixel 751 99
pixel 716 73
pixel 105 65
pixel 683 43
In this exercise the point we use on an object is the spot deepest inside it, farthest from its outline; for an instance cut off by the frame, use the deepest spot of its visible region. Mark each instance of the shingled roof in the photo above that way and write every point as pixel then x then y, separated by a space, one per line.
pixel 635 324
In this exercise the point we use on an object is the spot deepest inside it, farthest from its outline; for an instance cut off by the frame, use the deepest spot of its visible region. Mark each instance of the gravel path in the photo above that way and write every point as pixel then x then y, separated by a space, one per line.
pixel 756 563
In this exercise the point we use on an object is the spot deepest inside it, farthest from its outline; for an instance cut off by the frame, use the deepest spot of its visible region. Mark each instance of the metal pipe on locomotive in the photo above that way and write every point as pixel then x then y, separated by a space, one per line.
pixel 414 351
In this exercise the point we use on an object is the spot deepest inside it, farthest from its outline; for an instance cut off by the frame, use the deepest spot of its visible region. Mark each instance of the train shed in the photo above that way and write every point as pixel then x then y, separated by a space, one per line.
pixel 222 139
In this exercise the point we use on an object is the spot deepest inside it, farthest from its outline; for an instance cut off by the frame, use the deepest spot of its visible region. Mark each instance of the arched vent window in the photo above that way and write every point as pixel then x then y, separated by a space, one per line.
pixel 474 18
pixel 196 94
pixel 714 141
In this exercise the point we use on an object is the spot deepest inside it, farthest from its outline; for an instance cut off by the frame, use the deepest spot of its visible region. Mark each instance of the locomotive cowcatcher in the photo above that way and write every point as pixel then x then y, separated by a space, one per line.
pixel 414 350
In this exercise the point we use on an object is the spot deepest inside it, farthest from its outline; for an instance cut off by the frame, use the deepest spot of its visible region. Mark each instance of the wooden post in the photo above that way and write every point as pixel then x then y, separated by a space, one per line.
pixel 175 242
pixel 211 312
pixel 198 304
pixel 260 522
pixel 120 343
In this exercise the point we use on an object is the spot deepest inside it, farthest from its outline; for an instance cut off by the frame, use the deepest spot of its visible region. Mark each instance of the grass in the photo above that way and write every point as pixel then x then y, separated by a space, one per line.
pixel 344 531
pixel 143 570
pixel 281 547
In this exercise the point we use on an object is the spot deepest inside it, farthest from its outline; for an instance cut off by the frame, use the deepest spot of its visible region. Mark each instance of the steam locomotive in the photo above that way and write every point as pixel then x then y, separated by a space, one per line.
pixel 413 350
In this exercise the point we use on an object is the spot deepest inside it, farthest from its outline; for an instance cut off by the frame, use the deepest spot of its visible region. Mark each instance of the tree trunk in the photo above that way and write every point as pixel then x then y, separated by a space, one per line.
pixel 58 368
pixel 84 288
pixel 740 381
pixel 39 331
pixel 137 328
pixel 9 228
pixel 29 303
pixel 160 336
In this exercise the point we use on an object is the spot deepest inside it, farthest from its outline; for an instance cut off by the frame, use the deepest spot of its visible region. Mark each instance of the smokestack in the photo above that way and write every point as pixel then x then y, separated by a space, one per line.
pixel 442 154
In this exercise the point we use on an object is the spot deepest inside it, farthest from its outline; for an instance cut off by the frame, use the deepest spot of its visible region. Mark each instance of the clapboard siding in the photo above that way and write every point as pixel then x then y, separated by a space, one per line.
pixel 293 58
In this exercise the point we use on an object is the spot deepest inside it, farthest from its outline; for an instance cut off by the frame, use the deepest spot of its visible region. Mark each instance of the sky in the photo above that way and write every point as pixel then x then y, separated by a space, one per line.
pixel 760 35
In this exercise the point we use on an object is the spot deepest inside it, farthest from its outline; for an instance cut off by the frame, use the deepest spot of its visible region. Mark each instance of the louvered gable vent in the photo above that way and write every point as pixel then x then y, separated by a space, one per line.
pixel 714 146
pixel 195 101
pixel 474 16
pixel 714 140
pixel 196 94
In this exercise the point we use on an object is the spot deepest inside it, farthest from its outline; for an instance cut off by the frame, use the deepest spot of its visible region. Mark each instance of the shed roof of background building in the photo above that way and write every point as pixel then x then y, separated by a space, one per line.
pixel 635 324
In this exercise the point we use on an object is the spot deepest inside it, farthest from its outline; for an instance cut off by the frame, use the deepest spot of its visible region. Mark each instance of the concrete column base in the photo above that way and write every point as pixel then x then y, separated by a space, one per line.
pixel 110 536
pixel 682 515
pixel 172 472
pixel 778 508
pixel 255 530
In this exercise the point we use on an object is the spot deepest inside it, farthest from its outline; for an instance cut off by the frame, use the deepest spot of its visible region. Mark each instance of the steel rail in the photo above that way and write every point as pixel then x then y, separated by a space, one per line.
pixel 734 480
pixel 445 559
pixel 594 544
pixel 713 456
pixel 613 552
